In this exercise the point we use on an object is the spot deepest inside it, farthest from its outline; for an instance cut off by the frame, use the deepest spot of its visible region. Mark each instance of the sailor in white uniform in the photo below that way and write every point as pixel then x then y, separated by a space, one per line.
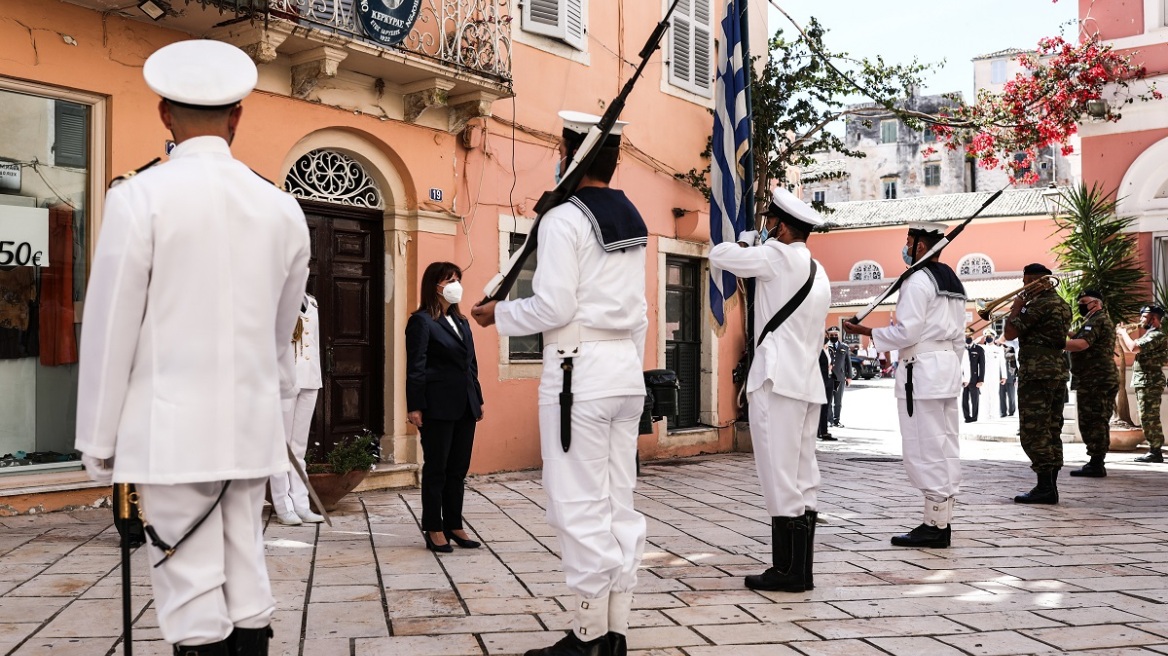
pixel 289 494
pixel 589 303
pixel 784 386
pixel 186 362
pixel 929 332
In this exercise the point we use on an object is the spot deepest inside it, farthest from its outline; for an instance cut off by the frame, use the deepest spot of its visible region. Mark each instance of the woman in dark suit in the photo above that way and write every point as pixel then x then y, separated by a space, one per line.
pixel 444 401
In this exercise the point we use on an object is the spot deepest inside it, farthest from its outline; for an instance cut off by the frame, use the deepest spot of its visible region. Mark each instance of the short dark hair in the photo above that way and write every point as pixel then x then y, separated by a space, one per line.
pixel 183 111
pixel 434 274
pixel 930 239
pixel 800 230
pixel 603 166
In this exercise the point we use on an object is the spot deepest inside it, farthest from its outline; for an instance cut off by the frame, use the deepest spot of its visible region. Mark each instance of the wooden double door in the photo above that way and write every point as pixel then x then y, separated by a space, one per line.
pixel 347 278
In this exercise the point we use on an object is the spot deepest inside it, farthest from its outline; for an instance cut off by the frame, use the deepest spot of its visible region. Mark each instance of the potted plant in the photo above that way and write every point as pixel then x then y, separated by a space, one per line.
pixel 344 467
pixel 1098 246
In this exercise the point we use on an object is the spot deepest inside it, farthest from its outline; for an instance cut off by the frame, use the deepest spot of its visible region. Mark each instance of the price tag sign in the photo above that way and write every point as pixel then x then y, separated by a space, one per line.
pixel 24 236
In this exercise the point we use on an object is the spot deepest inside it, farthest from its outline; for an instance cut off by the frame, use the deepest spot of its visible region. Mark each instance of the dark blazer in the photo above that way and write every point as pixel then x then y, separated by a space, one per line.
pixel 976 364
pixel 840 361
pixel 442 372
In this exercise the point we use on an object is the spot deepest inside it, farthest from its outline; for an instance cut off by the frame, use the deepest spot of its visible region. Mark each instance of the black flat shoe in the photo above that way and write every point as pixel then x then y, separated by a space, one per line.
pixel 465 544
pixel 439 548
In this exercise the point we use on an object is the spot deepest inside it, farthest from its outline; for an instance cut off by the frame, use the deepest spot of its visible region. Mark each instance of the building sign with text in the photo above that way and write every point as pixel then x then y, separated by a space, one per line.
pixel 10 177
pixel 24 236
pixel 388 22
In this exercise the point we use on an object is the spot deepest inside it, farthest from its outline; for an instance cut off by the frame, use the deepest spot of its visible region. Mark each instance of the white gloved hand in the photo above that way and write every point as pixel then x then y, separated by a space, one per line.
pixel 99 471
pixel 748 237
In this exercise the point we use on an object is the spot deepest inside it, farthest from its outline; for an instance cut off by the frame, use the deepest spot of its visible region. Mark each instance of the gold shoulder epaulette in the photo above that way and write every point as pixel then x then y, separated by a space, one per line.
pixel 126 176
pixel 280 187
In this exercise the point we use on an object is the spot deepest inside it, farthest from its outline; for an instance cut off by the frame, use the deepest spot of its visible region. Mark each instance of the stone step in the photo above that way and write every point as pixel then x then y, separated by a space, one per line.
pixel 389 476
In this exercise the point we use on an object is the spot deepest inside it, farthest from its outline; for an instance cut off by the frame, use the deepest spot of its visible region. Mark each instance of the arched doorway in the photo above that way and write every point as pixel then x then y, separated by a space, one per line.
pixel 344 207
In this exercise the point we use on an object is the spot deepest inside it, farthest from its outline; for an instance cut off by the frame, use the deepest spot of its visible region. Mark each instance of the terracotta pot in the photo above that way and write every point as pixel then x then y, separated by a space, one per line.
pixel 331 488
pixel 1126 439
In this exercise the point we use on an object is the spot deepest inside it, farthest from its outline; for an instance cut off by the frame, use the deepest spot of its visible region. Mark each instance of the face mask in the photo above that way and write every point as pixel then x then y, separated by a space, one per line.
pixel 905 256
pixel 452 292
pixel 1083 309
pixel 968 340
pixel 833 339
pixel 558 171
pixel 764 235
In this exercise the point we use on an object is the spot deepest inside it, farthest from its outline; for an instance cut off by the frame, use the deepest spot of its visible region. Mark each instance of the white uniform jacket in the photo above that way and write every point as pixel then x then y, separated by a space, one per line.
pixel 931 323
pixel 788 356
pixel 577 281
pixel 307 352
pixel 186 350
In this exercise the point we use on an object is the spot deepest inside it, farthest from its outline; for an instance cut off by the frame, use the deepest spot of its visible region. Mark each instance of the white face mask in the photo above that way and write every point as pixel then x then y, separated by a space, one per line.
pixel 908 259
pixel 452 292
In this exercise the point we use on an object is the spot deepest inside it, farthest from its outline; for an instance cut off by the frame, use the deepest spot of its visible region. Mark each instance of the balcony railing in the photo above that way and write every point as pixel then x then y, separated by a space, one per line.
pixel 472 35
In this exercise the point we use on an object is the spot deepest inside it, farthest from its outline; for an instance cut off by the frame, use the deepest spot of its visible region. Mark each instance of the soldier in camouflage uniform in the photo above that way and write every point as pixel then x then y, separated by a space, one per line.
pixel 1094 377
pixel 1040 322
pixel 1151 351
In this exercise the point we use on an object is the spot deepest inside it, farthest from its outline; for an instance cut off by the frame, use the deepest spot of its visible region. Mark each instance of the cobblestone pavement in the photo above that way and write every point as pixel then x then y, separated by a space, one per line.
pixel 1086 576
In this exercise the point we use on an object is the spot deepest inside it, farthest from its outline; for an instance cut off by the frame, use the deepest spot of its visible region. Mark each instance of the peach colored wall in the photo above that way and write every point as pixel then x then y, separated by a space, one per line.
pixel 1107 158
pixel 1010 245
pixel 1112 19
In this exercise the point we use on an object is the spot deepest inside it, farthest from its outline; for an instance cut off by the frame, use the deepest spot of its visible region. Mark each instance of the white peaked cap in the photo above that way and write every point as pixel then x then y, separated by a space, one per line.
pixel 925 227
pixel 789 203
pixel 581 123
pixel 201 72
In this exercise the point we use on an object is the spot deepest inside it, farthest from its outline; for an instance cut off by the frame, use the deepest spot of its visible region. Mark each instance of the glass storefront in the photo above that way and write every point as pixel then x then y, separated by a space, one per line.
pixel 44 207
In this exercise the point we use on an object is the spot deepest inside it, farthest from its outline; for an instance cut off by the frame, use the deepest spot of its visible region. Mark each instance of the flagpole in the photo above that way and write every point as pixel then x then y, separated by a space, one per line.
pixel 748 177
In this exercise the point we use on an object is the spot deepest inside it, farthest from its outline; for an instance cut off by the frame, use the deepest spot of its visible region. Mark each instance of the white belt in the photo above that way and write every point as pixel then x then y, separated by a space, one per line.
pixel 567 340
pixel 909 352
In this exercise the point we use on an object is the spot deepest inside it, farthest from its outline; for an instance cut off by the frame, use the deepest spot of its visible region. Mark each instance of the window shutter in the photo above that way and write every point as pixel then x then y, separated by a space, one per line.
pixel 691 54
pixel 71 128
pixel 565 20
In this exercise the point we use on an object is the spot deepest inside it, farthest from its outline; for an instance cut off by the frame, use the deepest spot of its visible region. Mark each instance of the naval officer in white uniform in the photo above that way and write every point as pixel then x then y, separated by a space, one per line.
pixel 186 357
pixel 289 494
pixel 929 332
pixel 784 386
pixel 589 303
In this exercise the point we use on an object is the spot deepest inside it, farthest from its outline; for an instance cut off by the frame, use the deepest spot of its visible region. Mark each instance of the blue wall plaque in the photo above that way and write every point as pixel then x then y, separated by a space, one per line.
pixel 388 22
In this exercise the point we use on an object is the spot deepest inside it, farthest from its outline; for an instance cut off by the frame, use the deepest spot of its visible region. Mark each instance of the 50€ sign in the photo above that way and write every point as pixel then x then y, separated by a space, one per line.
pixel 24 236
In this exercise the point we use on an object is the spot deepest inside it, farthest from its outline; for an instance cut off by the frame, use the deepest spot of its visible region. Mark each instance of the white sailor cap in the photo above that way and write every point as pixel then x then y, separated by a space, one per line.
pixel 924 228
pixel 200 72
pixel 786 206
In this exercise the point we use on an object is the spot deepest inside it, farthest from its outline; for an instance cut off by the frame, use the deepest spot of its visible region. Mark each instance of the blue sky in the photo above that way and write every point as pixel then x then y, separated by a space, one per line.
pixel 930 30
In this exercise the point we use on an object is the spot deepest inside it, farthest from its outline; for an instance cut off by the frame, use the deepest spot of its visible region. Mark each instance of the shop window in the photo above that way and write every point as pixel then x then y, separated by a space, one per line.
pixel 526 347
pixel 975 265
pixel 44 194
pixel 867 270
pixel 683 345
pixel 564 20
pixel 691 47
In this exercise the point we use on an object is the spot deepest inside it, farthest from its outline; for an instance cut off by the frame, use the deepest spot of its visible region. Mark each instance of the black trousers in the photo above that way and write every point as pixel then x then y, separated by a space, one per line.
pixel 823 420
pixel 446 446
pixel 970 398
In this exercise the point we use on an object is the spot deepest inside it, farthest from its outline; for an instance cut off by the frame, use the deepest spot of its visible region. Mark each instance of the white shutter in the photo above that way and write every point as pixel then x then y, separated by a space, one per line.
pixel 703 51
pixel 565 20
pixel 681 45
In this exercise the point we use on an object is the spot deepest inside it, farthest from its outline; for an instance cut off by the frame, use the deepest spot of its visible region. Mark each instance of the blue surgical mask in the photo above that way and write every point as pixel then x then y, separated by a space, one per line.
pixel 763 235
pixel 558 172
pixel 905 256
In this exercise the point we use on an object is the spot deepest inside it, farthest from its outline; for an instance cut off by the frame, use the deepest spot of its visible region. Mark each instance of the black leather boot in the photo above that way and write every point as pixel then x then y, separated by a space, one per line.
pixel 249 642
pixel 925 537
pixel 213 649
pixel 808 564
pixel 1152 456
pixel 1046 492
pixel 617 644
pixel 573 646
pixel 789 550
pixel 1093 469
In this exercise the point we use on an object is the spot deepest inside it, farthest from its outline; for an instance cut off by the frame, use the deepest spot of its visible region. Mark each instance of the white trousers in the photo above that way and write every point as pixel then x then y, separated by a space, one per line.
pixel 217 579
pixel 932 450
pixel 783 432
pixel 288 491
pixel 590 493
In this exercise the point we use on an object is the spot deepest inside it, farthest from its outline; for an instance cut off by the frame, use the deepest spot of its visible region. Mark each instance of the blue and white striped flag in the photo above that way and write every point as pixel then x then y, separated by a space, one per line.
pixel 731 198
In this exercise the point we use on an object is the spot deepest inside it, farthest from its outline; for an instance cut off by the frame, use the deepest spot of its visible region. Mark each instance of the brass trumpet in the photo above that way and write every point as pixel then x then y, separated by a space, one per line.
pixel 986 310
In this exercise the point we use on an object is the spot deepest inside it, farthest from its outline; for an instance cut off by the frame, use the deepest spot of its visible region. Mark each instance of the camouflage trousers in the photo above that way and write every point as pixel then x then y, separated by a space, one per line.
pixel 1148 399
pixel 1040 422
pixel 1096 405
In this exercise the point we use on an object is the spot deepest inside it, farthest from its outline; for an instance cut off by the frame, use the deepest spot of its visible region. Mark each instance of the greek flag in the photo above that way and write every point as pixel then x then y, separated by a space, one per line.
pixel 731 198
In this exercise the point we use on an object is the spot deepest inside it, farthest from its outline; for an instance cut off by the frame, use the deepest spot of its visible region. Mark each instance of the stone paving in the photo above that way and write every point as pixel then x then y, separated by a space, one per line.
pixel 1086 576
